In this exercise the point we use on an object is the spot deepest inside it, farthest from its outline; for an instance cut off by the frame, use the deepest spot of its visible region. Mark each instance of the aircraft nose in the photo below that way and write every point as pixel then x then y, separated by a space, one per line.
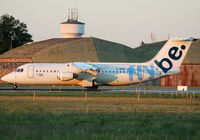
pixel 5 78
pixel 10 78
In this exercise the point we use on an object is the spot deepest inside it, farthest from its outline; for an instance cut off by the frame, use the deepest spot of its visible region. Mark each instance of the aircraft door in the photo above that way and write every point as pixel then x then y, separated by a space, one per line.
pixel 30 71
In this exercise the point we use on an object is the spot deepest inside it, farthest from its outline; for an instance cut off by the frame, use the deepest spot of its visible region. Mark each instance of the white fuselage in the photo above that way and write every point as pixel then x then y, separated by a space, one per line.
pixel 110 74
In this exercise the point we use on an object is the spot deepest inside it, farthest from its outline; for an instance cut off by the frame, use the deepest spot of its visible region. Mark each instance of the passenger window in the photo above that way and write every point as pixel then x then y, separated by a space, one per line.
pixel 36 70
pixel 43 70
pixel 40 71
pixel 46 70
pixel 54 70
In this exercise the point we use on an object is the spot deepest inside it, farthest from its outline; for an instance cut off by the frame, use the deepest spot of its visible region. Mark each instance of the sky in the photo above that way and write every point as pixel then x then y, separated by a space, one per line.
pixel 123 21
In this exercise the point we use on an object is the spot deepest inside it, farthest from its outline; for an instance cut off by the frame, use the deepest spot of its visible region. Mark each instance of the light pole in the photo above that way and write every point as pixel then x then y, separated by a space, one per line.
pixel 10 41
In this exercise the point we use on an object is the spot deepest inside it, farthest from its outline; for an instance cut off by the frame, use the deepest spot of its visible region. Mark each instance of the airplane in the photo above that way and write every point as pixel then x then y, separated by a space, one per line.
pixel 93 74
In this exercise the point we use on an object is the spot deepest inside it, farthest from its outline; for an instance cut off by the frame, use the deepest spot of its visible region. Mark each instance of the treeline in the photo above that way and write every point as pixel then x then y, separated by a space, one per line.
pixel 13 33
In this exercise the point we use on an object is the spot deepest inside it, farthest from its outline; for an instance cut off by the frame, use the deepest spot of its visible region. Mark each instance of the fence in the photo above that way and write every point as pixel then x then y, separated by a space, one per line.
pixel 63 91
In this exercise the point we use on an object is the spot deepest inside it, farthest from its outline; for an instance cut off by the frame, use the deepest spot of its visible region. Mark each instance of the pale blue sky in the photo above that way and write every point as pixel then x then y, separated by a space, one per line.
pixel 123 21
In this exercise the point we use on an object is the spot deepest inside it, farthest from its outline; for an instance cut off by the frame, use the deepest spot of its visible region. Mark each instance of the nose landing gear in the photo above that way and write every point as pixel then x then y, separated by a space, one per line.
pixel 14 86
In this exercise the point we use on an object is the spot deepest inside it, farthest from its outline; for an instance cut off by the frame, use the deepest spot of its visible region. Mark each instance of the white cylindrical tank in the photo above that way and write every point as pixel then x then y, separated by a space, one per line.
pixel 72 29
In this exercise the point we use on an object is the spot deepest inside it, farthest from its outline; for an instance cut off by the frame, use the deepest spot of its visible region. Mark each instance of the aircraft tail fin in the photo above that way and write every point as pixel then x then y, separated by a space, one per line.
pixel 171 55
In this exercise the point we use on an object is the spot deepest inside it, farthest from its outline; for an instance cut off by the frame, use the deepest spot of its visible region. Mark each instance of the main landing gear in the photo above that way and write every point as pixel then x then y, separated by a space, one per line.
pixel 94 86
pixel 14 86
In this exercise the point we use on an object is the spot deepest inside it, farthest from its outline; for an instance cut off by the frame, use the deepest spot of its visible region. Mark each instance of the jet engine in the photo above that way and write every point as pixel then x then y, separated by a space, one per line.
pixel 66 76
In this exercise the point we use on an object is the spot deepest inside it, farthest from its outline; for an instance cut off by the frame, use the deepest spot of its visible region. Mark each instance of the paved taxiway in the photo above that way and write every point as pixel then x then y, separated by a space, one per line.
pixel 104 89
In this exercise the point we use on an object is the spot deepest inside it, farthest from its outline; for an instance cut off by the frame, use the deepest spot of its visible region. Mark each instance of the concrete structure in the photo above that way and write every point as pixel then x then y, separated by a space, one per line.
pixel 72 28
pixel 72 49
pixel 153 37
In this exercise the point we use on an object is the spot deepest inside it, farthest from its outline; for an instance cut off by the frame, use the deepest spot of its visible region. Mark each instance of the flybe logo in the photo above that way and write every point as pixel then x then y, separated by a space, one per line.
pixel 175 54
pixel 140 70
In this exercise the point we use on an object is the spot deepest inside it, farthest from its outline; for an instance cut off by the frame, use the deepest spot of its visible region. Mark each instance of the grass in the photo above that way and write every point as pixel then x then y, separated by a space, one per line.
pixel 140 126
pixel 65 117
pixel 57 104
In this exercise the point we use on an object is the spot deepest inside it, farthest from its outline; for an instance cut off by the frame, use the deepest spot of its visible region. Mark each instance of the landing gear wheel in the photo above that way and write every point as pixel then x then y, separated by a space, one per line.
pixel 14 86
pixel 92 88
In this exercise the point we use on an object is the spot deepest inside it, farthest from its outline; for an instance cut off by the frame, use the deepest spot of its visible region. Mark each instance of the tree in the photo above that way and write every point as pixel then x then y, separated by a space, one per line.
pixel 13 33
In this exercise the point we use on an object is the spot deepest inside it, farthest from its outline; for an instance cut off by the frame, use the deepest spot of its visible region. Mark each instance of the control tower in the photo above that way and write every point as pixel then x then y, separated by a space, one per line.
pixel 72 28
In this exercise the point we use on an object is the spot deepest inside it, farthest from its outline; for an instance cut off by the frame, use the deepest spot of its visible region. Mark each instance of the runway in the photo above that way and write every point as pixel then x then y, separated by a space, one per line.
pixel 101 89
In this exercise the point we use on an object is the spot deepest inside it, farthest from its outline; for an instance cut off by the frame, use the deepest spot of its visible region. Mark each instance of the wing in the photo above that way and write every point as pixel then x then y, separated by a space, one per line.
pixel 86 67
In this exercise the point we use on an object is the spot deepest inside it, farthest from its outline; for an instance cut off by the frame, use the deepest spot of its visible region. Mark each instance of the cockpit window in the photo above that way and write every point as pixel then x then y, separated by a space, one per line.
pixel 19 70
